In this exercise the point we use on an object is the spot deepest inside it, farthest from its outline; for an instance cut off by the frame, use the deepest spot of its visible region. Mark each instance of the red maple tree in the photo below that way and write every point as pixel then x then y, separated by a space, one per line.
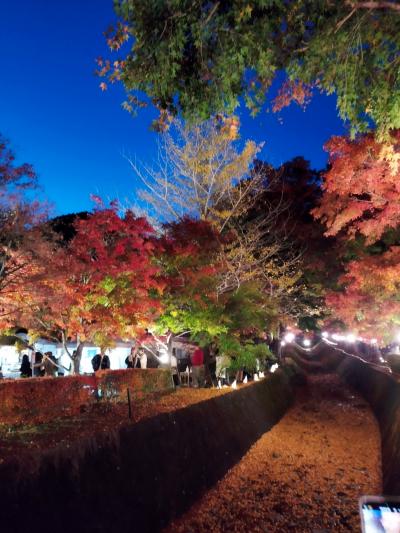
pixel 20 242
pixel 102 286
pixel 361 205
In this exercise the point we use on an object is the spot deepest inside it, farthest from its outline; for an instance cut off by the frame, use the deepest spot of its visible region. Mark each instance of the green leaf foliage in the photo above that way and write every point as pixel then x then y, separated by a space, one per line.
pixel 199 57
pixel 245 354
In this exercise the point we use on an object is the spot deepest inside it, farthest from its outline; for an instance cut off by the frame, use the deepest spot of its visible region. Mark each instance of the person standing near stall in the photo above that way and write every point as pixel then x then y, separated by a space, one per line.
pixel 197 360
pixel 26 371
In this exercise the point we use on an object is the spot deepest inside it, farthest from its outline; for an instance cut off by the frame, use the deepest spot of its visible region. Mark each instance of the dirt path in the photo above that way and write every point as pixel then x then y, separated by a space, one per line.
pixel 305 475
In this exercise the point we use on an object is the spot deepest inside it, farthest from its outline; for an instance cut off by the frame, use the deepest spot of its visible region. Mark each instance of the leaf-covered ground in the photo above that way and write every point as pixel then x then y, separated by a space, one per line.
pixel 99 418
pixel 305 475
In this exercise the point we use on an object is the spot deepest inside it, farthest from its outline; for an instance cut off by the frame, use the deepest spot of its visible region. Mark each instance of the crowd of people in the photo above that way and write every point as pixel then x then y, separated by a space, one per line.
pixel 196 366
pixel 42 364
pixel 198 363
pixel 201 366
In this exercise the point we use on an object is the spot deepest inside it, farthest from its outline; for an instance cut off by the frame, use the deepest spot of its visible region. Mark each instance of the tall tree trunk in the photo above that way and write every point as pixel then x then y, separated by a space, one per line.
pixel 169 347
pixel 77 358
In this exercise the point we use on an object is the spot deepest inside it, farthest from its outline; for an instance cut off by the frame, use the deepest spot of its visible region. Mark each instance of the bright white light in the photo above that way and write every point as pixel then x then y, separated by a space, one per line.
pixel 289 337
pixel 351 338
pixel 274 367
pixel 335 337
pixel 283 343
pixel 398 337
pixel 325 334
pixel 306 342
pixel 381 359
pixel 164 358
pixel 374 341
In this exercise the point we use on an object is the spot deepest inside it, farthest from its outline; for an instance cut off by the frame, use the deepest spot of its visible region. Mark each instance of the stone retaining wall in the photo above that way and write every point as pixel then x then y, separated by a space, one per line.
pixel 383 394
pixel 380 389
pixel 138 478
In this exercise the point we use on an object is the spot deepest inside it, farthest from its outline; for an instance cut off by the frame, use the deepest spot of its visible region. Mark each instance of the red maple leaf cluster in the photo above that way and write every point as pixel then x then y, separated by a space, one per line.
pixel 361 190
pixel 361 206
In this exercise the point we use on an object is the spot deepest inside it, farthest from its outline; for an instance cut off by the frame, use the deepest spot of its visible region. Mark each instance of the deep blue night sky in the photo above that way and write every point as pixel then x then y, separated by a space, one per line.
pixel 56 117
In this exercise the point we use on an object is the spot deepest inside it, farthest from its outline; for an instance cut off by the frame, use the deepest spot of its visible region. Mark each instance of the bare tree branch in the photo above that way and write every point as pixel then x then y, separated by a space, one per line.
pixel 374 5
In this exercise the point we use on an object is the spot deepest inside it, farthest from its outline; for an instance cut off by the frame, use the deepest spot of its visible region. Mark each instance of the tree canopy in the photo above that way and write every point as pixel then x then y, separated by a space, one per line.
pixel 201 172
pixel 100 286
pixel 360 207
pixel 20 238
pixel 199 57
pixel 361 188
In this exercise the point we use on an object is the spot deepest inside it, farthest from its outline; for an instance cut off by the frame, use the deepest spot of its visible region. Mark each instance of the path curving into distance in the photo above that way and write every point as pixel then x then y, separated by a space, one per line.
pixel 304 475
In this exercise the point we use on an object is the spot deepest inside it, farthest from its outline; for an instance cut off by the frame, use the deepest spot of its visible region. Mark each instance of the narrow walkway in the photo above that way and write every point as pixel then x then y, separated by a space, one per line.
pixel 305 475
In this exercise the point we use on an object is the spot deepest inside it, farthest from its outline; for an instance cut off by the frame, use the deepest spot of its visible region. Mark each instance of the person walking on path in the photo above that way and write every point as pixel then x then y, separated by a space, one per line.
pixel 37 364
pixel 143 351
pixel 143 358
pixel 26 371
pixel 174 369
pixel 132 361
pixel 50 364
pixel 197 360
pixel 100 361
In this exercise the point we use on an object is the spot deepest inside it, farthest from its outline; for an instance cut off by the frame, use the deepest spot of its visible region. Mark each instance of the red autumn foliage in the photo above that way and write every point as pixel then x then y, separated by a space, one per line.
pixel 191 251
pixel 107 244
pixel 20 235
pixel 361 198
pixel 102 285
pixel 115 257
pixel 24 271
pixel 369 300
pixel 361 190
pixel 292 91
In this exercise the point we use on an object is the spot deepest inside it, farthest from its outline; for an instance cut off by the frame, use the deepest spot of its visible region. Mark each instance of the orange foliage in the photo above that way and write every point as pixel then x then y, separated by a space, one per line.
pixel 103 285
pixel 362 187
pixel 292 91
pixel 370 301
pixel 361 197
pixel 20 235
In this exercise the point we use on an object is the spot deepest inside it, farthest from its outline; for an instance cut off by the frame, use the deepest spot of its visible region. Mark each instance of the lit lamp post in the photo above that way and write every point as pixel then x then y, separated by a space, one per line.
pixel 289 337
pixel 397 341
